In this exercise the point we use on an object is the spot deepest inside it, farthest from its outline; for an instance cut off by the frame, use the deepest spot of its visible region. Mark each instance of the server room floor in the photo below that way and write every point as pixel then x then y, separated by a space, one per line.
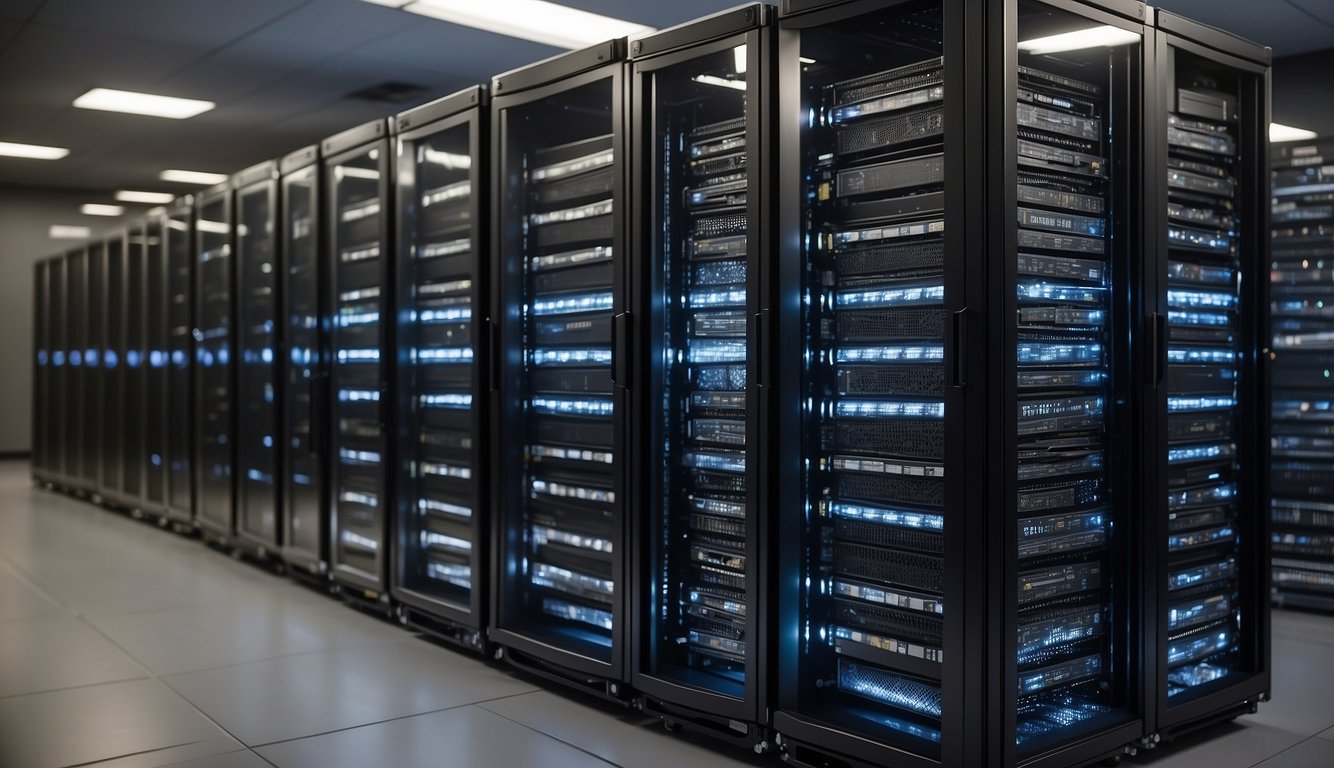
pixel 122 645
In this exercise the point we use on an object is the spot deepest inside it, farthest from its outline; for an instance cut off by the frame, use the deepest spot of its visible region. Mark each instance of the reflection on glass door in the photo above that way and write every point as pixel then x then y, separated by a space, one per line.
pixel 257 316
pixel 213 357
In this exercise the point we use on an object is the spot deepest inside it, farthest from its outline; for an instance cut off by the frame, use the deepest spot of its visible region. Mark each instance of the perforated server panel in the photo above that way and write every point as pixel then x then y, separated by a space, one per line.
pixel 1302 323
pixel 441 515
pixel 178 254
pixel 215 379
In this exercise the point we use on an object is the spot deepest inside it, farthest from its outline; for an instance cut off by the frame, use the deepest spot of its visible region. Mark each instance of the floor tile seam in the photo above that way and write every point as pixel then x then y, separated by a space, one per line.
pixel 79 687
pixel 246 662
pixel 136 753
pixel 551 736
pixel 423 713
pixel 1285 749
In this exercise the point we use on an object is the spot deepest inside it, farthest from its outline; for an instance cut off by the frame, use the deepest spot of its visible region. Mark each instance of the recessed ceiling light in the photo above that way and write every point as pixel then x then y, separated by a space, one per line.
pixel 536 20
pixel 1280 132
pixel 96 209
pixel 142 103
pixel 69 232
pixel 130 196
pixel 1104 36
pixel 193 177
pixel 32 151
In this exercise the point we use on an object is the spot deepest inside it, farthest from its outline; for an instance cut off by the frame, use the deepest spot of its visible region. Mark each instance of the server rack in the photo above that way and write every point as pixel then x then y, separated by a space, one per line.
pixel 701 100
pixel 179 265
pixel 92 314
pixel 76 392
pixel 111 316
pixel 41 371
pixel 559 266
pixel 214 380
pixel 304 369
pixel 357 172
pixel 258 274
pixel 133 308
pixel 441 515
pixel 959 207
pixel 156 361
pixel 1302 325
pixel 57 387
pixel 1207 297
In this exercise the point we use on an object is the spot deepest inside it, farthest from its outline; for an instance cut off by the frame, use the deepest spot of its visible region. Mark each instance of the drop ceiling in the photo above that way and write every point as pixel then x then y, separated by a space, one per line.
pixel 280 72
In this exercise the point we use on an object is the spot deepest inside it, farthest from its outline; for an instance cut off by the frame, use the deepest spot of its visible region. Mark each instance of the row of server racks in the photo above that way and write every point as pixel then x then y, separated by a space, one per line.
pixel 1302 432
pixel 745 373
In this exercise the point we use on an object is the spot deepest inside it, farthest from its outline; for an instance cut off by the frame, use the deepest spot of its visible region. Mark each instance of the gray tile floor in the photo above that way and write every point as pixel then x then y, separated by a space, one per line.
pixel 125 646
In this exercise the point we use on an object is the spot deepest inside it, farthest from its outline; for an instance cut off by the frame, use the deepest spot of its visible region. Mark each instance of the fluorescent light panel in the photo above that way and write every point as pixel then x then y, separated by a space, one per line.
pixel 32 151
pixel 1280 132
pixel 193 177
pixel 97 209
pixel 535 20
pixel 110 100
pixel 69 232
pixel 1104 36
pixel 130 196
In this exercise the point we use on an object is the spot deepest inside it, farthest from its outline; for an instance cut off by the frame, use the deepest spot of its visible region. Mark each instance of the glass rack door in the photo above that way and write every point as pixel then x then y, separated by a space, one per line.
pixel 58 412
pixel 94 319
pixel 155 362
pixel 257 325
pixel 180 353
pixel 134 426
pixel 113 370
pixel 437 339
pixel 214 431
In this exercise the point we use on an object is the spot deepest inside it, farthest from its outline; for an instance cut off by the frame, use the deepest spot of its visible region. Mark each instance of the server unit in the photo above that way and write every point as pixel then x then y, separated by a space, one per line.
pixel 441 517
pixel 1302 324
pixel 178 253
pixel 303 369
pixel 215 380
pixel 357 183
pixel 701 96
pixel 132 366
pixel 1207 299
pixel 155 364
pixel 92 319
pixel 56 390
pixel 560 267
pixel 41 371
pixel 958 524
pixel 111 317
pixel 76 391
pixel 258 396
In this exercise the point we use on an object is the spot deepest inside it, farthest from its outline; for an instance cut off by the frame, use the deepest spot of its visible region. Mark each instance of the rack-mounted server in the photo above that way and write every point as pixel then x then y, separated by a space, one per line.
pixel 215 370
pixel 559 276
pixel 357 193
pixel 1301 286
pixel 1208 349
pixel 303 367
pixel 110 315
pixel 701 100
pixel 178 253
pixel 93 321
pixel 258 266
pixel 155 362
pixel 42 379
pixel 441 515
pixel 133 363
pixel 958 354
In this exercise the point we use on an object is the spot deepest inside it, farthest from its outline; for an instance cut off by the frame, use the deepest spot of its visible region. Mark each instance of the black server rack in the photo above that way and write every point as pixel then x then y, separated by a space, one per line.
pixel 357 182
pixel 559 277
pixel 258 391
pixel 76 387
pixel 39 434
pixel 178 294
pixel 701 96
pixel 111 314
pixel 441 519
pixel 155 362
pixel 1207 296
pixel 960 203
pixel 133 364
pixel 303 368
pixel 93 317
pixel 214 379
pixel 57 386
pixel 1302 411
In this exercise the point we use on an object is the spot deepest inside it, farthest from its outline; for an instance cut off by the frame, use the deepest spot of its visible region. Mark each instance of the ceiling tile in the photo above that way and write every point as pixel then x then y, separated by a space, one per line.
pixel 18 10
pixel 203 24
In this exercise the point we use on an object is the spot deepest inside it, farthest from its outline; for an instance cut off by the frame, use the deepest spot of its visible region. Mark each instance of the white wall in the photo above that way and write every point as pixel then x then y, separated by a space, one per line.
pixel 26 215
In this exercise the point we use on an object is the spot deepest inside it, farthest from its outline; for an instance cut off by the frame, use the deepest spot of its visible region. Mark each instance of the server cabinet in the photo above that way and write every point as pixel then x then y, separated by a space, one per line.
pixel 57 385
pixel 959 211
pixel 155 361
pixel 76 390
pixel 357 168
pixel 214 381
pixel 1208 297
pixel 93 316
pixel 441 517
pixel 1302 408
pixel 112 380
pixel 701 96
pixel 258 274
pixel 41 377
pixel 133 429
pixel 179 264
pixel 304 369
pixel 559 281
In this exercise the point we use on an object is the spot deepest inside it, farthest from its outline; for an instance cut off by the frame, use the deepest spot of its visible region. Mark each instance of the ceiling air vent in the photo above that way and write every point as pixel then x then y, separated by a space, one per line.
pixel 389 92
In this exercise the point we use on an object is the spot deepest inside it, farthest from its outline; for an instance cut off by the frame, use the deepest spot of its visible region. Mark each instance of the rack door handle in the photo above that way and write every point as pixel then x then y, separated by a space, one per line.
pixel 960 331
pixel 620 349
pixel 1157 348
